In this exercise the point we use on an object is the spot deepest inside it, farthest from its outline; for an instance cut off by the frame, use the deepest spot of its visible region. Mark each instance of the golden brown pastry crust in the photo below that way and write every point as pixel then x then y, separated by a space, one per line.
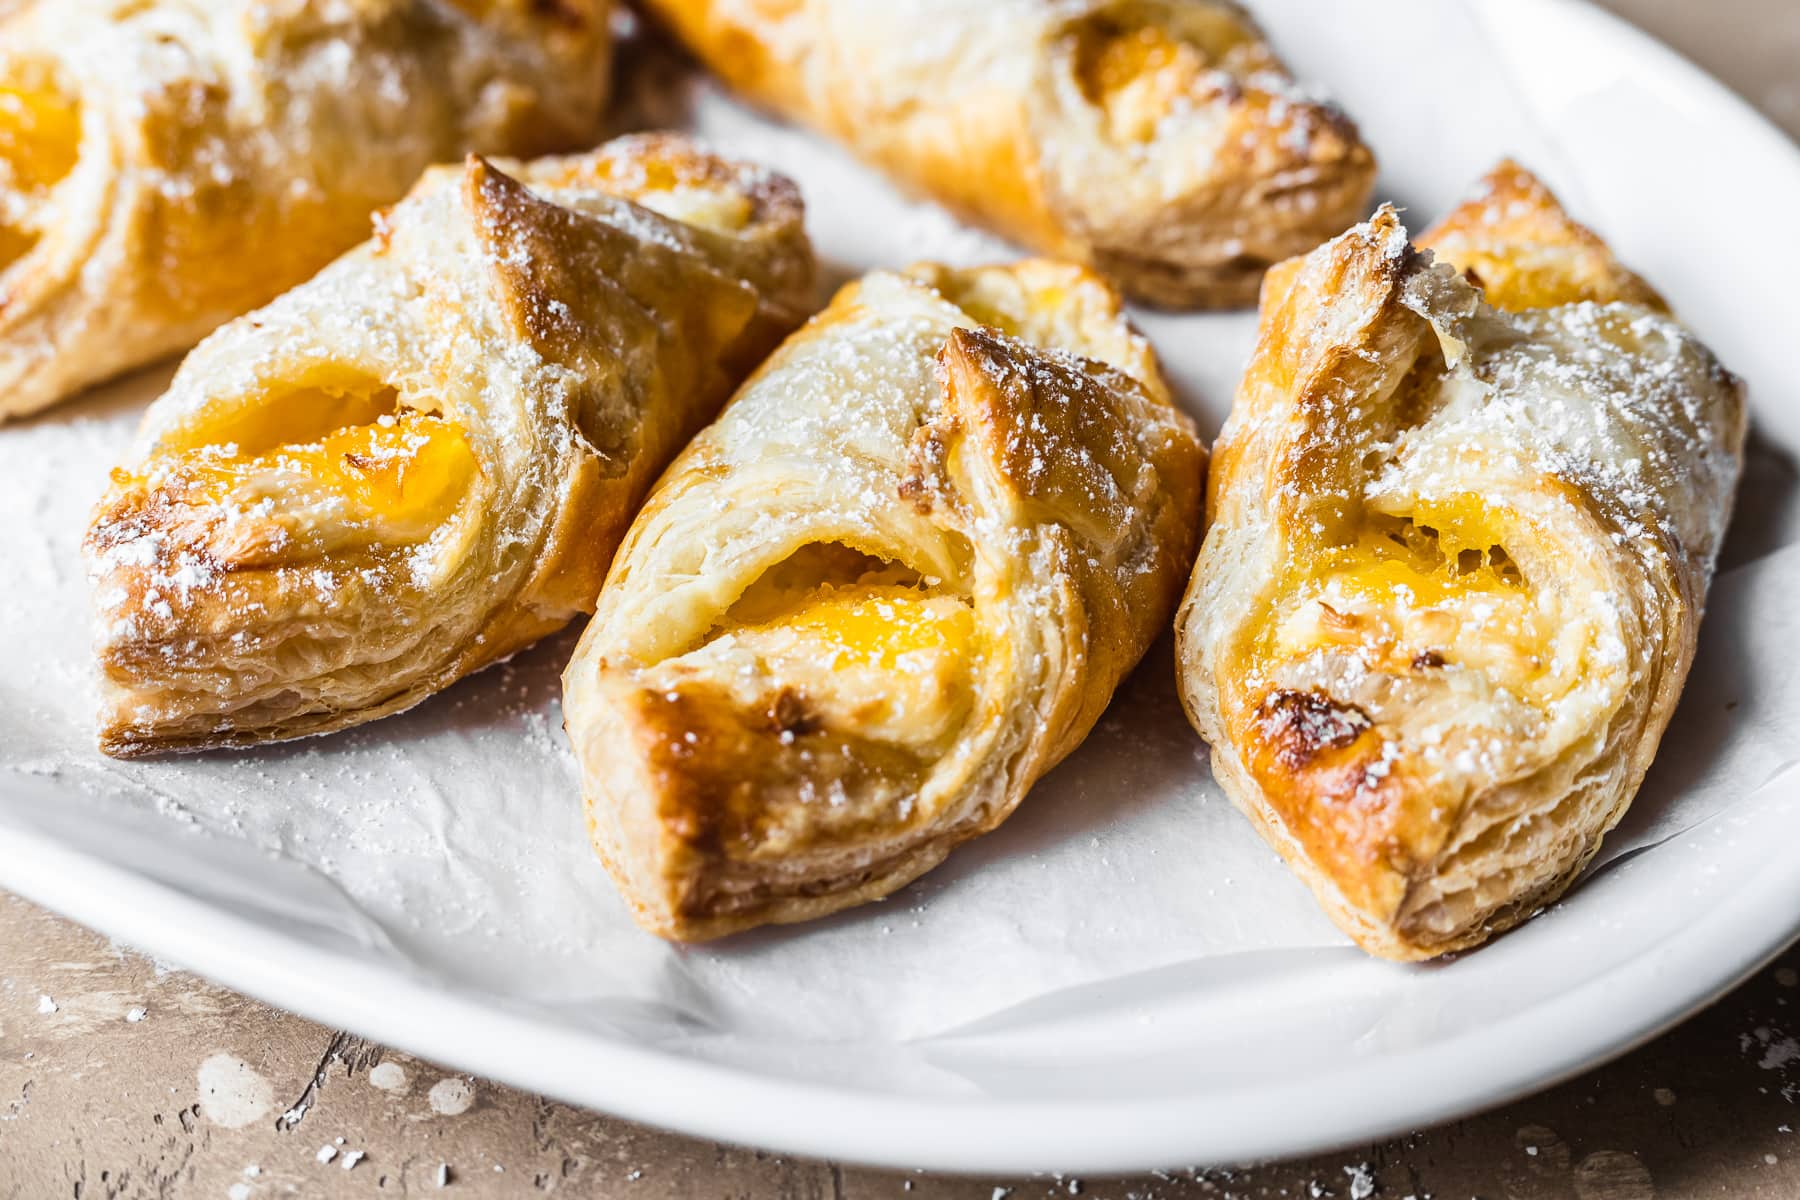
pixel 1455 563
pixel 1512 239
pixel 1160 141
pixel 881 596
pixel 162 147
pixel 422 460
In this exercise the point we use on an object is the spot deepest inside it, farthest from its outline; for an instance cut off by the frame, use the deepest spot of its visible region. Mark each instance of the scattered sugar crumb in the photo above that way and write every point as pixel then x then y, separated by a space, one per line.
pixel 450 1097
pixel 389 1077
pixel 231 1093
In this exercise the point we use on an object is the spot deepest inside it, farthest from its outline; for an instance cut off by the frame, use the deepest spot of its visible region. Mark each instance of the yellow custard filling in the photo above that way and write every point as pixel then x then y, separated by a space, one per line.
pixel 1138 74
pixel 888 662
pixel 1138 78
pixel 681 189
pixel 393 481
pixel 881 627
pixel 1522 278
pixel 1416 596
pixel 707 207
pixel 40 141
pixel 407 472
pixel 40 134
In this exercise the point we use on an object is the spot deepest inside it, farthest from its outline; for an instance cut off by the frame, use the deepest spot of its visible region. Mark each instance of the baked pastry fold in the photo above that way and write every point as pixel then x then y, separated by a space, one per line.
pixel 882 595
pixel 167 166
pixel 1457 549
pixel 422 460
pixel 1160 141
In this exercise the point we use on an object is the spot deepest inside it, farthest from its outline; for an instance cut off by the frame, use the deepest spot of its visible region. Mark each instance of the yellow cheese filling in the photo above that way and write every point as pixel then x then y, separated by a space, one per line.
pixel 406 473
pixel 393 481
pixel 882 661
pixel 40 133
pixel 1140 75
pixel 707 207
pixel 1138 78
pixel 882 627
pixel 1524 277
pixel 40 141
pixel 679 188
pixel 1411 597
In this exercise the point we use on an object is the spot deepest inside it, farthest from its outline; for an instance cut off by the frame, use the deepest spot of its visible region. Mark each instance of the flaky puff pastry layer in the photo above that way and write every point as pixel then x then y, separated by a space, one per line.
pixel 882 595
pixel 1457 551
pixel 1160 141
pixel 166 166
pixel 422 460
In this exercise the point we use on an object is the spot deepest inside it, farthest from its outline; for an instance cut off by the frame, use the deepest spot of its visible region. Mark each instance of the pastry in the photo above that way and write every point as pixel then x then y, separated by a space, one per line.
pixel 422 460
pixel 882 595
pixel 1458 545
pixel 166 165
pixel 1512 239
pixel 1160 141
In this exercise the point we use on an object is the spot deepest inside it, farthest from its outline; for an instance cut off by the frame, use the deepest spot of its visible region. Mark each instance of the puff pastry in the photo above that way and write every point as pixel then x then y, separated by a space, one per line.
pixel 1160 141
pixel 151 149
pixel 422 460
pixel 1457 551
pixel 893 585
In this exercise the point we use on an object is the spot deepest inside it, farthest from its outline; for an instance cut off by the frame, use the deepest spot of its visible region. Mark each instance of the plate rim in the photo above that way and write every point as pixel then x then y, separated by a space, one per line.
pixel 1694 966
pixel 1698 962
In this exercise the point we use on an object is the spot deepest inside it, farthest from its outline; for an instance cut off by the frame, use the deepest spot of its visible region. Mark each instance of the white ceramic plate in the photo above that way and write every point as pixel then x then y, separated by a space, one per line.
pixel 1187 1022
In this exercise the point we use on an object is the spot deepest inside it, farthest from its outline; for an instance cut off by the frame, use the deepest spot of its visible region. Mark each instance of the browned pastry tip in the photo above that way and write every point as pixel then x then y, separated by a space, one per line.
pixel 1515 241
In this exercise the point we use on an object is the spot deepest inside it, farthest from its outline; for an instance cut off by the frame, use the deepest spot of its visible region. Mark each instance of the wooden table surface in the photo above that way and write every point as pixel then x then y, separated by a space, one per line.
pixel 121 1079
